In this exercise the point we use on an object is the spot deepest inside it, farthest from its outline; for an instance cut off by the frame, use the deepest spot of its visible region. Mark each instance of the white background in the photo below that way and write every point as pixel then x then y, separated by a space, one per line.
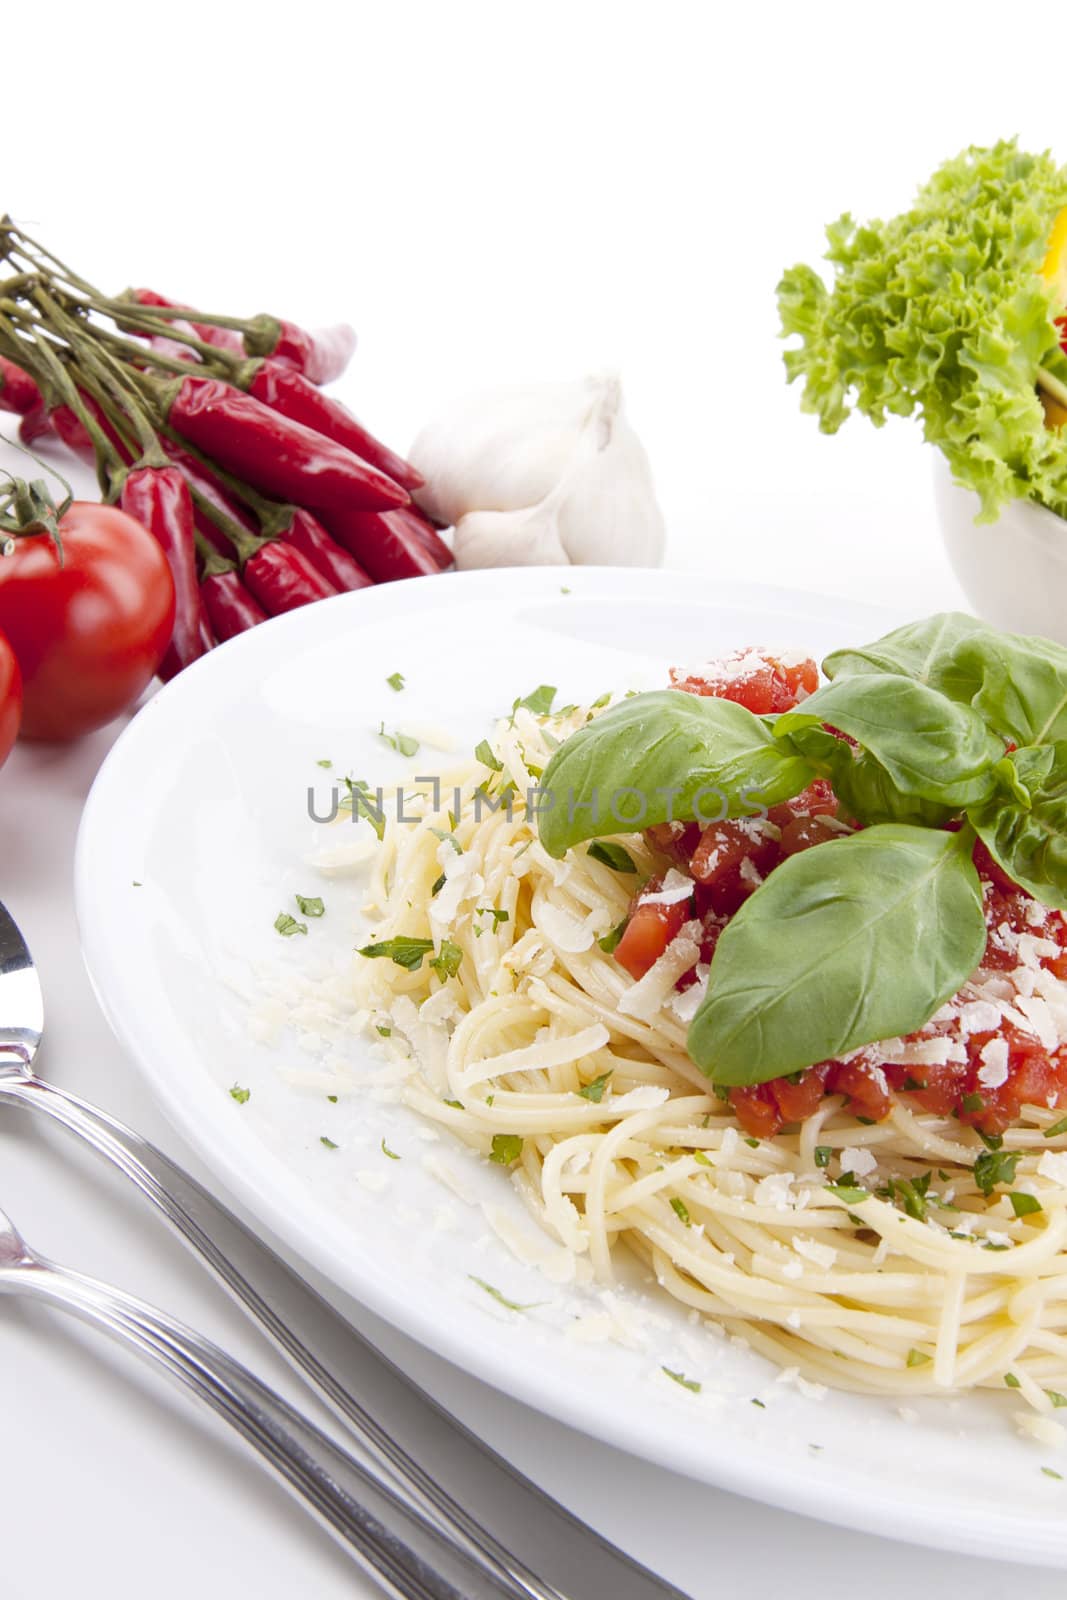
pixel 491 193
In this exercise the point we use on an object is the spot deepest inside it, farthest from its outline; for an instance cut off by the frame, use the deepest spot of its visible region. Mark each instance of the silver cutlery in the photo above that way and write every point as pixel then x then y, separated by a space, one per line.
pixel 521 1536
pixel 392 1540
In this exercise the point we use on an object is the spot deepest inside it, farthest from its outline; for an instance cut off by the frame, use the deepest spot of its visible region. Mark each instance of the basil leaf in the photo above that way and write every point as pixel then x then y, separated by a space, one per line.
pixel 1021 684
pixel 862 785
pixel 924 651
pixel 1017 684
pixel 859 940
pixel 612 855
pixel 1030 842
pixel 927 745
pixel 661 757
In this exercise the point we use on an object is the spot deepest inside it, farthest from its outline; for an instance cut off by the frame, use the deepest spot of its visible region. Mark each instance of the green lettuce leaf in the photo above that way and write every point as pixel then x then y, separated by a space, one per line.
pixel 942 312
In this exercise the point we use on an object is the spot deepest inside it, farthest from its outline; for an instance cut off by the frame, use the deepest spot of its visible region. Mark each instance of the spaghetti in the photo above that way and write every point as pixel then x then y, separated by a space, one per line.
pixel 870 1256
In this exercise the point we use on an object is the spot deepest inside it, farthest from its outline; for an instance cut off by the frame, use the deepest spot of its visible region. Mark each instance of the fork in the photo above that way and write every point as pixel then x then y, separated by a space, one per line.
pixel 390 1539
pixel 528 1542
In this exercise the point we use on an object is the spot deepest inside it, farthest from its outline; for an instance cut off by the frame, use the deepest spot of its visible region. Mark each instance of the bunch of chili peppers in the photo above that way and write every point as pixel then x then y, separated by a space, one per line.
pixel 264 493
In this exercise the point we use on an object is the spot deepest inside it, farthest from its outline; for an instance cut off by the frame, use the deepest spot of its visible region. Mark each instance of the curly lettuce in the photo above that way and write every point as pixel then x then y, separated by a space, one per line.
pixel 943 311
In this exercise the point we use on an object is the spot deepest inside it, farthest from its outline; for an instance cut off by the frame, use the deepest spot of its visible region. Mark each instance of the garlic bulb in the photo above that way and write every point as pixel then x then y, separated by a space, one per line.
pixel 548 474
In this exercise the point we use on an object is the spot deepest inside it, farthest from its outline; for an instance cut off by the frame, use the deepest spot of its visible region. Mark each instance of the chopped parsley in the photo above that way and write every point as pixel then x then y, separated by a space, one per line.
pixel 448 838
pixel 612 855
pixel 595 1091
pixel 823 1152
pixel 332 1098
pixel 681 1210
pixel 564 590
pixel 327 1142
pixel 287 925
pixel 310 905
pixel 918 1358
pixel 972 1103
pixel 503 1300
pixel 507 1148
pixel 360 806
pixel 992 1141
pixel 1012 1381
pixel 679 1378
pixel 438 885
pixel 761 1403
pixel 395 680
pixel 1057 1399
pixel 324 763
pixel 405 952
pixel 456 1104
pixel 447 961
pixel 993 1167
pixel 239 1094
pixel 539 700
pixel 1024 1205
pixel 402 743
pixel 492 911
pixel 1056 1129
pixel 1050 1472
pixel 610 940
pixel 484 753
pixel 385 1032
pixel 852 1196
pixel 911 1192
pixel 387 1152
pixel 753 1144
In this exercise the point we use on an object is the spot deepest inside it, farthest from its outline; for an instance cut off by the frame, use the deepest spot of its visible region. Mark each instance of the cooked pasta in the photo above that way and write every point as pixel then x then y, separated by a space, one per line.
pixel 865 1255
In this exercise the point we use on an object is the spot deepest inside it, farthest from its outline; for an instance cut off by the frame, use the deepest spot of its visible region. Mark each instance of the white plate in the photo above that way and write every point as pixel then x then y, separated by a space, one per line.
pixel 197 834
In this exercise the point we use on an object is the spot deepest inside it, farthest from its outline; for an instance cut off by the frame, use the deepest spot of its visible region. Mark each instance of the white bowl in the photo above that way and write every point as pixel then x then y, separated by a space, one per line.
pixel 1014 570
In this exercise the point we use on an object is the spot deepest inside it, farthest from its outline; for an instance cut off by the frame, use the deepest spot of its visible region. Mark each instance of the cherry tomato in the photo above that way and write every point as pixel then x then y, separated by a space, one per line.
pixel 88 632
pixel 10 698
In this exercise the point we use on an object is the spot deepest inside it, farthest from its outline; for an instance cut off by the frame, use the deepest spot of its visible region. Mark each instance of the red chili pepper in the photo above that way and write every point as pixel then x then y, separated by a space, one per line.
pixel 230 607
pixel 425 531
pixel 281 578
pixel 221 338
pixel 388 544
pixel 307 534
pixel 320 356
pixel 281 457
pixel 295 396
pixel 159 499
pixel 35 424
pixel 208 488
pixel 18 392
pixel 74 435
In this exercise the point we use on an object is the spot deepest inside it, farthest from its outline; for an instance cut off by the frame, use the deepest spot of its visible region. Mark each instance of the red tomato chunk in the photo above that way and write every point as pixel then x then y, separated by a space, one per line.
pixel 758 679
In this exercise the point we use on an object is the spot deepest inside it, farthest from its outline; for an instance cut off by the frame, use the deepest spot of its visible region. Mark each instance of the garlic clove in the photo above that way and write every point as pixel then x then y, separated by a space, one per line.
pixel 524 538
pixel 502 449
pixel 608 514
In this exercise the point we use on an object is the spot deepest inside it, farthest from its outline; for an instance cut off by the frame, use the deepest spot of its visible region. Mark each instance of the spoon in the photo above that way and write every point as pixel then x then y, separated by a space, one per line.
pixel 392 1541
pixel 403 1435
